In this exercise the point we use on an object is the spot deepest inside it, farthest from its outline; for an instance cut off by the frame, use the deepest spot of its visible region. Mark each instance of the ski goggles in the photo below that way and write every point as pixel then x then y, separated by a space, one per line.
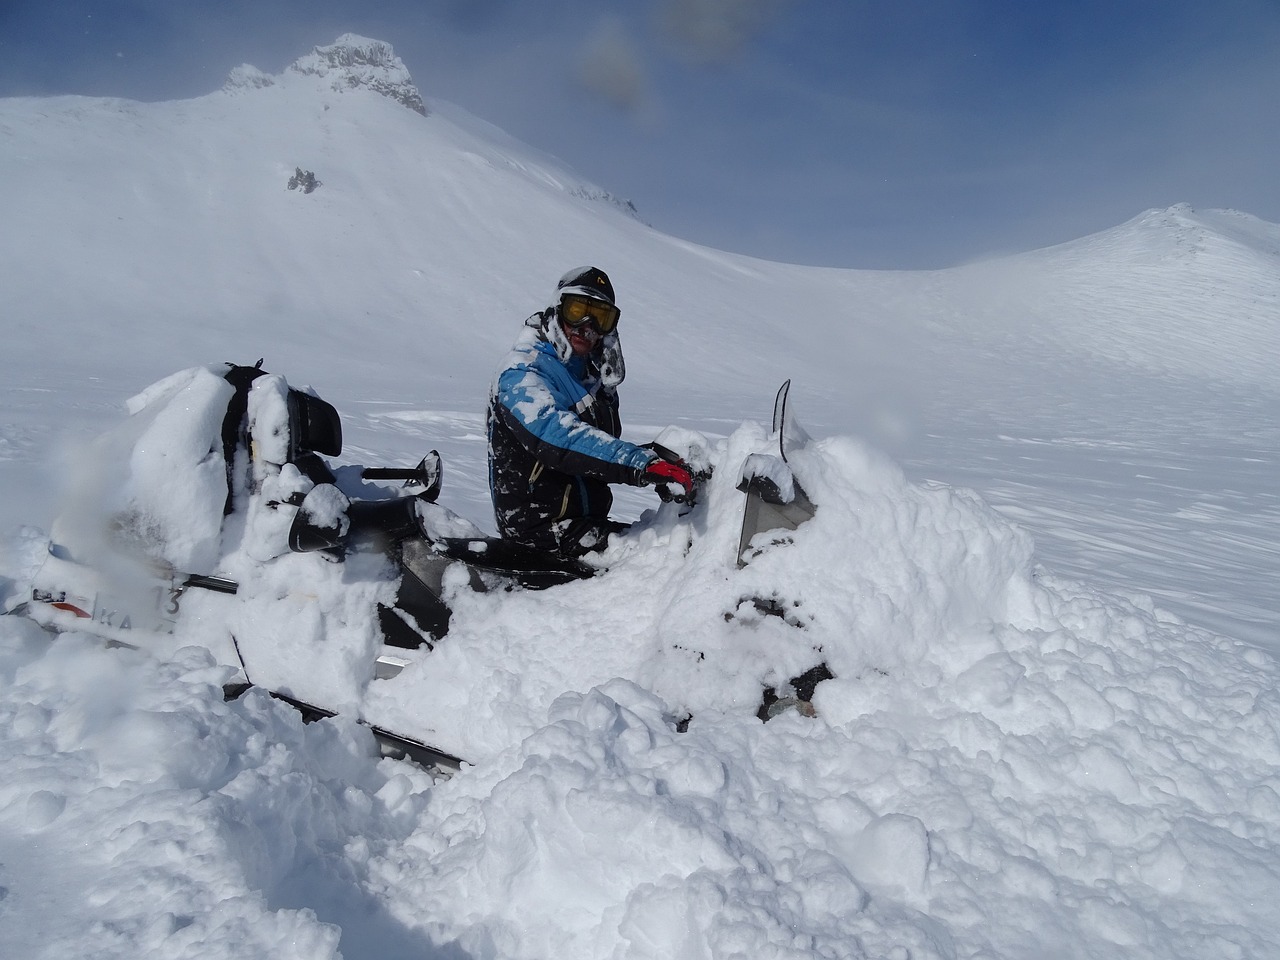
pixel 575 311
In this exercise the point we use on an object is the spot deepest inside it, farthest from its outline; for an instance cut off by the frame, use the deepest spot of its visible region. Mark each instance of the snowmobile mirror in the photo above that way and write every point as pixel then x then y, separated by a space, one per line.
pixel 429 473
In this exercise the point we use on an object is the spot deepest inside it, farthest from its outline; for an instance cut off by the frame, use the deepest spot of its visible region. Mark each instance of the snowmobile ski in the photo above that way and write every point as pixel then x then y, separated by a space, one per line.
pixel 393 745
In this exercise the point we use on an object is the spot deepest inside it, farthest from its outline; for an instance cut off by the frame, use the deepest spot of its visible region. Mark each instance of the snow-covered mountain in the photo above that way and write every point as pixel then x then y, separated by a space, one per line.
pixel 1021 754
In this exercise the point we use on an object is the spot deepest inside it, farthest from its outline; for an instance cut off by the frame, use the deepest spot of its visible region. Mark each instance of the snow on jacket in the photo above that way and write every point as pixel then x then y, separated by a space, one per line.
pixel 554 442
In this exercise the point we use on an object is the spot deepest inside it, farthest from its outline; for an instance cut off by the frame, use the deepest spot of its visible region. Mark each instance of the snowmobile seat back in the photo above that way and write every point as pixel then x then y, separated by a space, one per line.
pixel 314 426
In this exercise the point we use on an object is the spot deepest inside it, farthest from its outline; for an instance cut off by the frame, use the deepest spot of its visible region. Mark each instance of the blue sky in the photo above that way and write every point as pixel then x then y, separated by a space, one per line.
pixel 917 133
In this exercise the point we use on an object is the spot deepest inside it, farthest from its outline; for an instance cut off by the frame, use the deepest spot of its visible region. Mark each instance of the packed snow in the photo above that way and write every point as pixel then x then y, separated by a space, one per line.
pixel 1042 571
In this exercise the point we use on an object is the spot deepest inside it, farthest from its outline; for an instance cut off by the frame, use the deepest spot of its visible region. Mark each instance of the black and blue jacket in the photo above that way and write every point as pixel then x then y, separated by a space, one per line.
pixel 554 443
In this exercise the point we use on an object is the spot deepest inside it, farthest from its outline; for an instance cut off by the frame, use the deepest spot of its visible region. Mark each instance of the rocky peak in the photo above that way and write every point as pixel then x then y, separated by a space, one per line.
pixel 349 62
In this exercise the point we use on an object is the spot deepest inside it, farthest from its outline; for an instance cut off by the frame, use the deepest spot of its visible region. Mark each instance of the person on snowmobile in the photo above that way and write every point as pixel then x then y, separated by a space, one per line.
pixel 554 430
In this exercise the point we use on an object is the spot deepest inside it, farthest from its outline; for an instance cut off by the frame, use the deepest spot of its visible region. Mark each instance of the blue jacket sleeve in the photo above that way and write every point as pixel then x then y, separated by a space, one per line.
pixel 544 412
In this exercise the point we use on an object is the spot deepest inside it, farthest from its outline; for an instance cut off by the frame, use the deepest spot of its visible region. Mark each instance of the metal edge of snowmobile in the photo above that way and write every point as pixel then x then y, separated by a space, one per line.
pixel 392 745
pixel 768 505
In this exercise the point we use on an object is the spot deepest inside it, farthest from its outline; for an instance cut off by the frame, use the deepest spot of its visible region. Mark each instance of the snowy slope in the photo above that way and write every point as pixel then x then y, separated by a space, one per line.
pixel 1021 754
pixel 1127 407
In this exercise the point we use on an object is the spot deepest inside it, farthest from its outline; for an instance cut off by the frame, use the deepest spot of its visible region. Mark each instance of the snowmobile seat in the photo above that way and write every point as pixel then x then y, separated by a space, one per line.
pixel 491 564
pixel 528 566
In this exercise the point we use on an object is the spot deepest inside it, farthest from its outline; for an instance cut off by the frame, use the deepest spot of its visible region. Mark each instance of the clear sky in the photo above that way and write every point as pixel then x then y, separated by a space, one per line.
pixel 911 133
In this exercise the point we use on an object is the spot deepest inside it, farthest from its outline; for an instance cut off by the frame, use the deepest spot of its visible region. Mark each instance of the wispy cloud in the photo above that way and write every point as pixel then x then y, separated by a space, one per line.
pixel 714 30
pixel 610 66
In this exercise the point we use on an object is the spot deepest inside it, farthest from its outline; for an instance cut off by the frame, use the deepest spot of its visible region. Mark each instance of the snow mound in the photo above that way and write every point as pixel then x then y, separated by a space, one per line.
pixel 1004 763
pixel 177 825
pixel 997 743
pixel 1174 293
pixel 1181 229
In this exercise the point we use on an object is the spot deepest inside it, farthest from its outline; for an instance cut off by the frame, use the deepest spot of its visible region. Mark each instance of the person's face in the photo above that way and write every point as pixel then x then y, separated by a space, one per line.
pixel 582 338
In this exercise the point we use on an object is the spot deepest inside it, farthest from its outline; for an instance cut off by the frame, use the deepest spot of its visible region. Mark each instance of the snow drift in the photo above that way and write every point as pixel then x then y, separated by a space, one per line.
pixel 1005 762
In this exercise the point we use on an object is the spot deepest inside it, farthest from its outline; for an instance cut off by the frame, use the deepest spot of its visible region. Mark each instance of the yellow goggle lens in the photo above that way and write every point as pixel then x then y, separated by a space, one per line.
pixel 576 311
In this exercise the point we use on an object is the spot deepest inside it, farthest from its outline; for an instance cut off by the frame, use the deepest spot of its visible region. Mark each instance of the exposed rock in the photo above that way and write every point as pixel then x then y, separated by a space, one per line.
pixel 353 61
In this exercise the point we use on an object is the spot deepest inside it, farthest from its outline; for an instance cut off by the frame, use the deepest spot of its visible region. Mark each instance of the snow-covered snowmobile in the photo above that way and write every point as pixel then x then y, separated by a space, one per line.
pixel 219 473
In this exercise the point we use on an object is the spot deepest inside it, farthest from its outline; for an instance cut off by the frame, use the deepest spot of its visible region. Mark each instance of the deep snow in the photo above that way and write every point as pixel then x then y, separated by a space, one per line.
pixel 1022 754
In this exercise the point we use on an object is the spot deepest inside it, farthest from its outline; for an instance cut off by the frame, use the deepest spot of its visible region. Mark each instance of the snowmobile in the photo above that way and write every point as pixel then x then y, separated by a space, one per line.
pixel 221 471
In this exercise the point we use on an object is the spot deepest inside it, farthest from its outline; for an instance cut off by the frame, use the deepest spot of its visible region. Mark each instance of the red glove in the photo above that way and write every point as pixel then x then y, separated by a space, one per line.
pixel 665 474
